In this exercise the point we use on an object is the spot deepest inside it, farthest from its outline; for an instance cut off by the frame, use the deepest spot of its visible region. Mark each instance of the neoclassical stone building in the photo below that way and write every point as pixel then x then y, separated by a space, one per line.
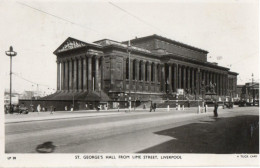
pixel 158 66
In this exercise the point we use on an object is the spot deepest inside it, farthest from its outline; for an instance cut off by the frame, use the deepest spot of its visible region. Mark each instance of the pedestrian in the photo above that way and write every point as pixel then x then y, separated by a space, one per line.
pixel 154 107
pixel 39 108
pixel 66 108
pixel 51 107
pixel 215 109
pixel 72 107
pixel 151 107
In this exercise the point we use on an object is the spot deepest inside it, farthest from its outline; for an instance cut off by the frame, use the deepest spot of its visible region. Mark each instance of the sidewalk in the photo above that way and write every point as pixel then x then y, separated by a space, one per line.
pixel 41 116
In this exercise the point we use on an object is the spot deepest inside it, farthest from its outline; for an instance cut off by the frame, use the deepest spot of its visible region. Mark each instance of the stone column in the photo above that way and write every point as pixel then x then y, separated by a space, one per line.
pixel 223 84
pixel 137 74
pixel 210 79
pixel 90 87
pixel 203 76
pixel 131 75
pixel 137 70
pixel 97 74
pixel 66 76
pixel 197 81
pixel 192 80
pixel 62 75
pixel 58 75
pixel 218 84
pixel 213 77
pixel 155 76
pixel 155 72
pixel 184 78
pixel 220 79
pixel 124 74
pixel 180 76
pixel 70 76
pixel 175 79
pixel 84 77
pixel 159 77
pixel 79 74
pixel 188 77
pixel 75 75
pixel 170 78
pixel 143 75
pixel 216 81
pixel 101 77
pixel 149 76
pixel 163 78
pixel 227 85
pixel 207 77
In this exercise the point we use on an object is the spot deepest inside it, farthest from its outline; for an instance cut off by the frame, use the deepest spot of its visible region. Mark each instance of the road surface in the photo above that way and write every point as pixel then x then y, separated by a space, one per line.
pixel 234 131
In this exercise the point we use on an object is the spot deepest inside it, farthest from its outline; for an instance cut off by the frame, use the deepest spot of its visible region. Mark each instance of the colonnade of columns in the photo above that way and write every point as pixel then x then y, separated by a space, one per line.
pixel 79 73
pixel 172 76
pixel 232 85
pixel 144 75
pixel 190 78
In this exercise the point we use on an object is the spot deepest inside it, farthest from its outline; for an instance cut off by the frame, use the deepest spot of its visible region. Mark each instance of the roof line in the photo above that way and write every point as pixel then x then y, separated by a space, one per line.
pixel 169 40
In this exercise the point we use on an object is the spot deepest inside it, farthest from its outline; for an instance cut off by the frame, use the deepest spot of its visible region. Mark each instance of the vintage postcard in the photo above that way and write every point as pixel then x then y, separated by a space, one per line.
pixel 91 83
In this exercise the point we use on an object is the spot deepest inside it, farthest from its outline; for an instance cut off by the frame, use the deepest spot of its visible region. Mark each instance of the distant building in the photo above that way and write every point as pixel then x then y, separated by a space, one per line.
pixel 239 91
pixel 15 97
pixel 250 91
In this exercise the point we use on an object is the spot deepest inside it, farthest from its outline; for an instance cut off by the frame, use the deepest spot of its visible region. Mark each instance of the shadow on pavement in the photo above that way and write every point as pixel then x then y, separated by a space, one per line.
pixel 46 147
pixel 218 135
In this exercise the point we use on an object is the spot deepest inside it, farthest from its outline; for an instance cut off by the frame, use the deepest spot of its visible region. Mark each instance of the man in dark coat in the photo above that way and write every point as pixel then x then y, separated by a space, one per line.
pixel 215 109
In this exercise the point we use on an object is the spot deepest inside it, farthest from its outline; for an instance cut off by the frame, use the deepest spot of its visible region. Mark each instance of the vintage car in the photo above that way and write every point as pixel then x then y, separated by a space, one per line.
pixel 16 109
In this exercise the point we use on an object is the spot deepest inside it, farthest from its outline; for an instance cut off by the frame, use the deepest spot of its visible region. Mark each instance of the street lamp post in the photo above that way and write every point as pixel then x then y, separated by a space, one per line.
pixel 11 53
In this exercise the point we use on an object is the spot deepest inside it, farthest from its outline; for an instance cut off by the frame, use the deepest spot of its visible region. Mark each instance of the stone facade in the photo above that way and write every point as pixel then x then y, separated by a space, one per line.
pixel 157 66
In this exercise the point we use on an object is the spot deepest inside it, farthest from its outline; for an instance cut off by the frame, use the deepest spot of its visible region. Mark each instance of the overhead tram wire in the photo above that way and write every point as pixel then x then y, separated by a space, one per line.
pixel 136 17
pixel 242 58
pixel 30 81
pixel 58 17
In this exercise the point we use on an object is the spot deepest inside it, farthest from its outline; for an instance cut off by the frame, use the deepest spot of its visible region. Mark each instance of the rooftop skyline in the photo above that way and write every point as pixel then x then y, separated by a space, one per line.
pixel 226 29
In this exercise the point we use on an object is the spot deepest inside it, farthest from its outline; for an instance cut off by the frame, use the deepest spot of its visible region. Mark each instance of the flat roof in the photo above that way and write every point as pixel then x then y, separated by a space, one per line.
pixel 155 36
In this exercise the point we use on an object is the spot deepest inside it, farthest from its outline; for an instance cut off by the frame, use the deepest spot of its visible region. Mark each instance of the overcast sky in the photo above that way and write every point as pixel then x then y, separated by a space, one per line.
pixel 227 29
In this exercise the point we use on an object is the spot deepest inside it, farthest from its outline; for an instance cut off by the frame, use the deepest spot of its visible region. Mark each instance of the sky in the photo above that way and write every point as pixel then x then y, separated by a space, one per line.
pixel 227 29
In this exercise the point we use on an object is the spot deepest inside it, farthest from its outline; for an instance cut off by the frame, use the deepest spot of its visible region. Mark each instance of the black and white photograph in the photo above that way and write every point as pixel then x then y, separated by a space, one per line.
pixel 129 83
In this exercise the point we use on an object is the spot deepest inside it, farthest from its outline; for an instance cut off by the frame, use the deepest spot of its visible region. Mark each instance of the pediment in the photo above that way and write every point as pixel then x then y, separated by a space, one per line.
pixel 70 44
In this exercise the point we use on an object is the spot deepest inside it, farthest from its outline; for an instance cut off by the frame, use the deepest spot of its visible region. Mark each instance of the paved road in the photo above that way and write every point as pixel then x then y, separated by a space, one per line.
pixel 122 133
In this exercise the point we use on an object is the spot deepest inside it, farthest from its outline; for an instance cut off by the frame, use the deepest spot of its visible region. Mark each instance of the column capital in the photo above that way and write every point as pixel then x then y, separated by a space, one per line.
pixel 67 59
pixel 96 56
pixel 161 64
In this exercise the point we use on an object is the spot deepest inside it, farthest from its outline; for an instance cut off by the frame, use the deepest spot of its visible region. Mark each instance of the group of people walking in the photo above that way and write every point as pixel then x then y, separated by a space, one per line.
pixel 44 109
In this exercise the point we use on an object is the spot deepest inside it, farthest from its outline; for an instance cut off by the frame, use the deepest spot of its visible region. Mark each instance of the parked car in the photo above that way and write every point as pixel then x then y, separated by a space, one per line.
pixel 242 103
pixel 16 109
